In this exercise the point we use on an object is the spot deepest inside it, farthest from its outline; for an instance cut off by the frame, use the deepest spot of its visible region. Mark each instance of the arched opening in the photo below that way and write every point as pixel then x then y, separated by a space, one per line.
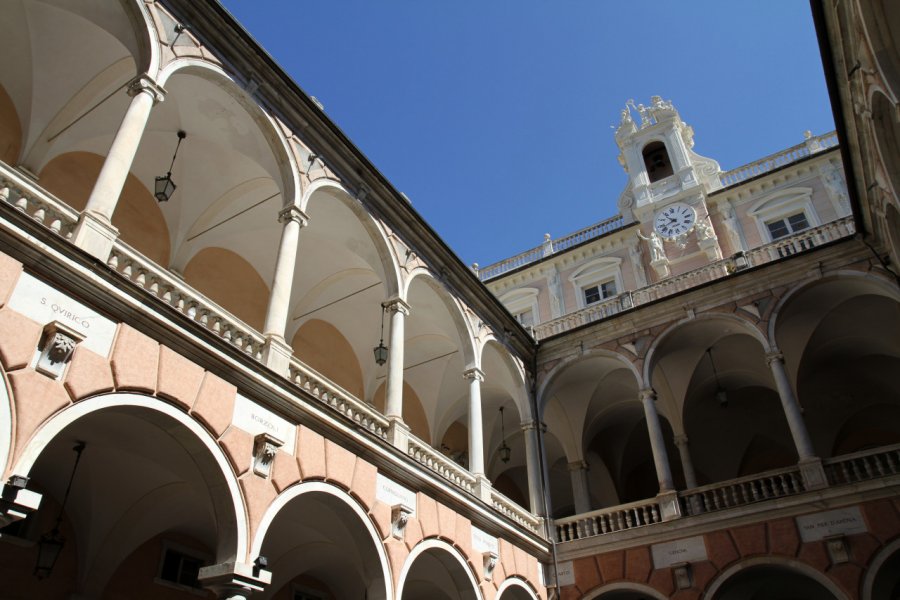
pixel 656 161
pixel 887 133
pixel 771 582
pixel 882 581
pixel 319 545
pixel 625 591
pixel 882 21
pixel 413 414
pixel 436 573
pixel 321 346
pixel 840 341
pixel 512 589
pixel 150 488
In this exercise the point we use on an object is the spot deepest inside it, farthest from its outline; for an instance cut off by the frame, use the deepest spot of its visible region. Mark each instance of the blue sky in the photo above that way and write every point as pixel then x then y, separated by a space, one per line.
pixel 494 116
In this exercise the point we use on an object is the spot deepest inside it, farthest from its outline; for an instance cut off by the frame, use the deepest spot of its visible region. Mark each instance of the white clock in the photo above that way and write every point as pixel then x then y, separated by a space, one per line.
pixel 675 220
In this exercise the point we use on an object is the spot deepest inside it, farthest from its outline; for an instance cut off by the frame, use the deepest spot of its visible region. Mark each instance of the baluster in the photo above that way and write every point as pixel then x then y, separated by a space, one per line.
pixel 655 510
pixel 629 522
pixel 127 271
pixel 4 194
pixel 39 214
pixel 867 466
pixel 154 286
pixel 854 469
pixel 845 471
pixel 22 203
pixel 891 463
pixel 113 262
pixel 879 464
pixel 56 225
pixel 141 278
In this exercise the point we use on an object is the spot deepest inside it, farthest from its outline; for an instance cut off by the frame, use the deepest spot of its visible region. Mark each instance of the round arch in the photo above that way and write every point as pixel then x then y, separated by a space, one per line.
pixel 231 517
pixel 624 590
pixel 746 326
pixel 563 366
pixel 514 588
pixel 5 423
pixel 376 233
pixel 313 487
pixel 881 20
pixel 451 555
pixel 278 145
pixel 514 369
pixel 796 567
pixel 454 310
pixel 874 573
pixel 874 284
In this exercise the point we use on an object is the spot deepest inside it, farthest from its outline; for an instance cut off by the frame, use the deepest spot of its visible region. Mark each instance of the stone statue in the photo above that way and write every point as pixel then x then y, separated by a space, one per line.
pixel 704 230
pixel 657 251
pixel 729 218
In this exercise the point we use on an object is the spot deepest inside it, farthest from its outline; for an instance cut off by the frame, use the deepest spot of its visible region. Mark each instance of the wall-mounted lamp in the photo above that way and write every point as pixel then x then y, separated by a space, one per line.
pixel 721 395
pixel 51 543
pixel 381 351
pixel 164 186
pixel 504 450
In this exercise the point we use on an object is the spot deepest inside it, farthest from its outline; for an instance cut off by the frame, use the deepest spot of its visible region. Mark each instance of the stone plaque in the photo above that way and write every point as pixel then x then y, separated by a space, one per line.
pixel 680 551
pixel 565 571
pixel 390 492
pixel 483 542
pixel 843 521
pixel 44 304
pixel 254 419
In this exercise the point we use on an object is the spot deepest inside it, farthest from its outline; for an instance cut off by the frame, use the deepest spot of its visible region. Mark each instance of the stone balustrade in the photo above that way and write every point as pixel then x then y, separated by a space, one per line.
pixel 514 512
pixel 51 212
pixel 779 159
pixel 338 399
pixel 608 520
pixel 743 491
pixel 444 466
pixel 863 466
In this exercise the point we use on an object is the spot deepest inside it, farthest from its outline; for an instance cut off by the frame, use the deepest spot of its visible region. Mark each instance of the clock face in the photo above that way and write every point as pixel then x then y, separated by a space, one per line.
pixel 674 220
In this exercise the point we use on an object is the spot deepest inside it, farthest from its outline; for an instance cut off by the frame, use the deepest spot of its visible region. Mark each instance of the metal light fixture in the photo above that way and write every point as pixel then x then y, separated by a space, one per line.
pixel 51 543
pixel 381 351
pixel 164 186
pixel 504 450
pixel 721 395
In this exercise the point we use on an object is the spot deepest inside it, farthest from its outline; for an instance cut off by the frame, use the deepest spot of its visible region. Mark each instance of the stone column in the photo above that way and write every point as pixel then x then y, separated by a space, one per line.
pixel 687 465
pixel 278 351
pixel 393 393
pixel 657 443
pixel 94 232
pixel 533 467
pixel 810 464
pixel 578 473
pixel 476 435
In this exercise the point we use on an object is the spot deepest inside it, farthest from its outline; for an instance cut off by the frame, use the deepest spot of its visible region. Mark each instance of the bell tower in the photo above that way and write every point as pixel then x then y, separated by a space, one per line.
pixel 667 182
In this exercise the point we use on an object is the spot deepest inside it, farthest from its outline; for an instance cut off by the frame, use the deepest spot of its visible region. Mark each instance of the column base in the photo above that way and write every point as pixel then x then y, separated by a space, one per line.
pixel 483 488
pixel 234 580
pixel 669 506
pixel 95 235
pixel 277 355
pixel 813 474
pixel 17 503
pixel 398 434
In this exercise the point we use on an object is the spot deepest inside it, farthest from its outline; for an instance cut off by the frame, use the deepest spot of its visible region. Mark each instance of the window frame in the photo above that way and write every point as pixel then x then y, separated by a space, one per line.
pixel 595 273
pixel 779 206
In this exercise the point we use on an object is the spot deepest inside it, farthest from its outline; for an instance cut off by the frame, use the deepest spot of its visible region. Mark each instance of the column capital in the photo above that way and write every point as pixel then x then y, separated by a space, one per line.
pixel 579 465
pixel 474 373
pixel 396 305
pixel 144 83
pixel 234 579
pixel 680 440
pixel 293 213
pixel 774 356
pixel 648 394
pixel 527 426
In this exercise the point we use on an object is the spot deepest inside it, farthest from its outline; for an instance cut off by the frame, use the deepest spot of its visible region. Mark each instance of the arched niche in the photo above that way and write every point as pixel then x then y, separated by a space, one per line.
pixel 772 579
pixel 514 588
pixel 71 178
pixel 321 345
pixel 231 282
pixel 625 590
pixel 147 470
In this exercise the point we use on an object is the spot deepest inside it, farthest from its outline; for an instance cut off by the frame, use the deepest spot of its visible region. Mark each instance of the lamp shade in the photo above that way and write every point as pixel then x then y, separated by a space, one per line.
pixel 381 354
pixel 49 547
pixel 164 187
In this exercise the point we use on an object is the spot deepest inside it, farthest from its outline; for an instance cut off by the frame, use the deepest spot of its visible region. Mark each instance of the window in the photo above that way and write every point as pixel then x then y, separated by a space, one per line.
pixel 180 567
pixel 785 226
pixel 600 291
pixel 525 317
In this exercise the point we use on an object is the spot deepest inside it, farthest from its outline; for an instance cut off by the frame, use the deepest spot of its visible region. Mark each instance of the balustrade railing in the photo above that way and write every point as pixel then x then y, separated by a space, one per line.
pixel 608 520
pixel 444 466
pixel 797 243
pixel 338 399
pixel 18 191
pixel 550 247
pixel 743 491
pixel 779 159
pixel 863 466
pixel 514 512
pixel 162 284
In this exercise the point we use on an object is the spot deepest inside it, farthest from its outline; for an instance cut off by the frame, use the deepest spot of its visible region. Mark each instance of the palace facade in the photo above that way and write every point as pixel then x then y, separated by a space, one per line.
pixel 237 363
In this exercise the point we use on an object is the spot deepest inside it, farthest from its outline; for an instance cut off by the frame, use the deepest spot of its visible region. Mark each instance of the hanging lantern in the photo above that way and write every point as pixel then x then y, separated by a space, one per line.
pixel 164 187
pixel 381 351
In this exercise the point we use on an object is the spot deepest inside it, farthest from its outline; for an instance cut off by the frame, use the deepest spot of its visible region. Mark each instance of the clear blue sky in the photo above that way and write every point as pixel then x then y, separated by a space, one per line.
pixel 494 116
